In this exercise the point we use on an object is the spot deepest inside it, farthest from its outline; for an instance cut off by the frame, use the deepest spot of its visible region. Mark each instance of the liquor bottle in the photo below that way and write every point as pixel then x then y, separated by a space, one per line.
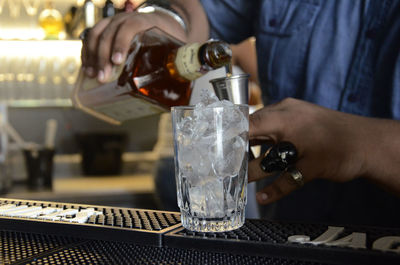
pixel 51 20
pixel 69 20
pixel 108 9
pixel 156 76
pixel 84 16
pixel 90 13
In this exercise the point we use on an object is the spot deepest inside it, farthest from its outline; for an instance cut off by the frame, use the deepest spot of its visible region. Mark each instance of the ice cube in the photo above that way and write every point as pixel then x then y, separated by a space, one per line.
pixel 215 198
pixel 228 160
pixel 221 103
pixel 207 200
pixel 185 126
pixel 202 165
pixel 207 96
pixel 197 201
pixel 231 204
pixel 193 159
pixel 235 123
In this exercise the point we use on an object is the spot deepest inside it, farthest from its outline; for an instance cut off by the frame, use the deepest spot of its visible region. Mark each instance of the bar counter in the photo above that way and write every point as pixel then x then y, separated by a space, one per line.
pixel 93 234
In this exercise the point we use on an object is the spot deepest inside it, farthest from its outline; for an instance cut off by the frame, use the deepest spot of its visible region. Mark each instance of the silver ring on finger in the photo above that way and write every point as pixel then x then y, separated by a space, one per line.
pixel 296 176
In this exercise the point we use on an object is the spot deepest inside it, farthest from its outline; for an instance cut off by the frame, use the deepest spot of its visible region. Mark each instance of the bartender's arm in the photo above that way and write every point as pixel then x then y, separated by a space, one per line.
pixel 331 145
pixel 108 41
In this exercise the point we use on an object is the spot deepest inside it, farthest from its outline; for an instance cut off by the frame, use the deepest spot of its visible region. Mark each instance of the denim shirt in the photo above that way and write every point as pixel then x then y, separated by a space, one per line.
pixel 341 54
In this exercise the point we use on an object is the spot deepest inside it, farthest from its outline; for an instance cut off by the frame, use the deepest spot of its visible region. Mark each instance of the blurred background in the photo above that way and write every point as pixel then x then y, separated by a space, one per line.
pixel 85 160
pixel 94 162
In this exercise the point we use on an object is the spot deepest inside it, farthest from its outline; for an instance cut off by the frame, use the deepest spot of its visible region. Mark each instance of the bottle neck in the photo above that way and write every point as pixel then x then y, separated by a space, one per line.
pixel 215 54
pixel 90 13
pixel 108 9
pixel 194 60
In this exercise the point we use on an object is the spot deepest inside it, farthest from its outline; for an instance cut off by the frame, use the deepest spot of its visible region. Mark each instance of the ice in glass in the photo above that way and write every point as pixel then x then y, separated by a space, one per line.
pixel 211 145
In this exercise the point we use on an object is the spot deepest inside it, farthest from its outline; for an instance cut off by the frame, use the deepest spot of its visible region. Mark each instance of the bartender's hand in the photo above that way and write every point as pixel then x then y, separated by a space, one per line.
pixel 330 144
pixel 107 43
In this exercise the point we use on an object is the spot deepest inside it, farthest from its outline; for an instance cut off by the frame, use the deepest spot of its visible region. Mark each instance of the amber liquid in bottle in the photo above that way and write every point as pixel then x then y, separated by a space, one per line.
pixel 165 87
pixel 156 76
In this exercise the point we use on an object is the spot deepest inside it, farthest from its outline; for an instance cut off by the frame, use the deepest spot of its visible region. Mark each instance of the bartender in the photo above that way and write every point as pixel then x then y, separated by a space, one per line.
pixel 330 76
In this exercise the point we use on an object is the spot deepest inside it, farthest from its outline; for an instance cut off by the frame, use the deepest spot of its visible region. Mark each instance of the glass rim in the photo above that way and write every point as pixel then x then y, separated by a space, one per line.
pixel 192 107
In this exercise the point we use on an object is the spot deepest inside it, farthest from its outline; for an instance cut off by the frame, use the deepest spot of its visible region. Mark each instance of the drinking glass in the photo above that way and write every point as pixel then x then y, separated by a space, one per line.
pixel 211 157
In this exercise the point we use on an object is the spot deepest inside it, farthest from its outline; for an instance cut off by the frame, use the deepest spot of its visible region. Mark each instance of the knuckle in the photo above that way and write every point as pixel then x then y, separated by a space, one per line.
pixel 120 46
pixel 107 33
pixel 288 101
pixel 104 36
pixel 93 33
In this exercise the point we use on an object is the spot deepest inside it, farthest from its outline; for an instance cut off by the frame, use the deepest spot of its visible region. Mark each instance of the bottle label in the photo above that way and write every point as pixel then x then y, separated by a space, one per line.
pixel 187 62
pixel 128 108
pixel 114 104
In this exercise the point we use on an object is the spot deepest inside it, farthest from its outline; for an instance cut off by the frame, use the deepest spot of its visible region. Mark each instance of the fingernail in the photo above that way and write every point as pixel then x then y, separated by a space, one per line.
pixel 101 76
pixel 261 196
pixel 89 71
pixel 117 58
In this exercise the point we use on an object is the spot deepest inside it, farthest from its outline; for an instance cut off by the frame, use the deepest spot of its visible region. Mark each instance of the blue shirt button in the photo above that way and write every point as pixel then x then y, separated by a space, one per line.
pixel 272 22
pixel 371 33
pixel 352 98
